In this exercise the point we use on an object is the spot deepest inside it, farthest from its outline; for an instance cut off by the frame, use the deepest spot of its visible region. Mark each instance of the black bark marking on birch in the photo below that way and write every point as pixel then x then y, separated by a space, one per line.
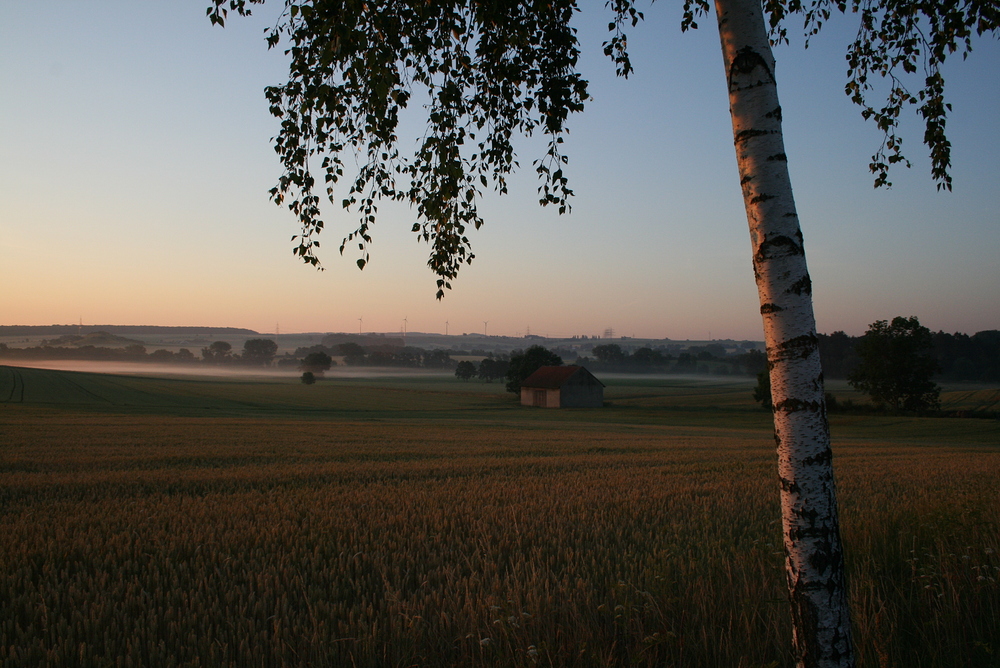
pixel 821 561
pixel 743 135
pixel 746 179
pixel 810 530
pixel 803 285
pixel 746 61
pixel 799 347
pixel 777 157
pixel 789 486
pixel 796 405
pixel 762 198
pixel 770 308
pixel 790 215
pixel 824 457
pixel 775 114
pixel 780 246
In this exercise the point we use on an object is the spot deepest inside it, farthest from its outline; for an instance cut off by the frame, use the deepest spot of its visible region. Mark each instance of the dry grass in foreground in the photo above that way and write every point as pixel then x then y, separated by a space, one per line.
pixel 164 541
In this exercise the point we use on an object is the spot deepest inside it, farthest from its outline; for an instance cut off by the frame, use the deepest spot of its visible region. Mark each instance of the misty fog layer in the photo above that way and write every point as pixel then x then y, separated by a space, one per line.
pixel 211 371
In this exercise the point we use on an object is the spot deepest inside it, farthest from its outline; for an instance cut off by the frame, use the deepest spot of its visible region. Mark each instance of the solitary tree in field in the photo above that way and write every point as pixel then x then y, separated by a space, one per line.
pixel 317 363
pixel 897 363
pixel 493 68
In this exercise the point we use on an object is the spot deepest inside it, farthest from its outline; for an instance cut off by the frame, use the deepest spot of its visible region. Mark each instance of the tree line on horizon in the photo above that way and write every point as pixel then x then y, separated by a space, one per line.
pixel 896 362
pixel 958 356
pixel 256 352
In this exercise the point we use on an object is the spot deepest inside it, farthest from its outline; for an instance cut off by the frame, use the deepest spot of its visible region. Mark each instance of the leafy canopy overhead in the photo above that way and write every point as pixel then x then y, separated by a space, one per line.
pixel 487 70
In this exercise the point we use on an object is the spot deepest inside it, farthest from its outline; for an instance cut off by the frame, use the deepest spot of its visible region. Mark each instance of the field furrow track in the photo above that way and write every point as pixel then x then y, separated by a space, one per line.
pixel 977 400
pixel 77 387
pixel 11 385
pixel 49 386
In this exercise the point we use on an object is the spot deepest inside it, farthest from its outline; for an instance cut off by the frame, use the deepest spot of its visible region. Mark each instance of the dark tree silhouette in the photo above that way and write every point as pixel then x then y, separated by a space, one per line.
pixel 491 369
pixel 609 353
pixel 465 370
pixel 762 392
pixel 316 362
pixel 524 363
pixel 352 352
pixel 896 365
pixel 258 352
pixel 438 359
pixel 220 352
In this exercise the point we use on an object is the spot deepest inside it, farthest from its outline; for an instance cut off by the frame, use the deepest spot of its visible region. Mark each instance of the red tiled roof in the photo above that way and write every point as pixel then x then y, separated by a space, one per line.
pixel 551 377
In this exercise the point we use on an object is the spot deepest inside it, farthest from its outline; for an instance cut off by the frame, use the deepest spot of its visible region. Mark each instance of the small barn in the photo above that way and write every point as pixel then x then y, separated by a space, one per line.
pixel 562 387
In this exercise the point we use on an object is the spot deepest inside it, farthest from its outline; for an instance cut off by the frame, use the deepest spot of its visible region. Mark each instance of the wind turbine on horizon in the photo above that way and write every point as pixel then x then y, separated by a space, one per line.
pixel 359 326
pixel 485 325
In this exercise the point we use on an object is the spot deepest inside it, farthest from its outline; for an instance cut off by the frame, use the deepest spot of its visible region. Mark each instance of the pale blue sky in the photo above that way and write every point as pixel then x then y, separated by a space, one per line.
pixel 136 162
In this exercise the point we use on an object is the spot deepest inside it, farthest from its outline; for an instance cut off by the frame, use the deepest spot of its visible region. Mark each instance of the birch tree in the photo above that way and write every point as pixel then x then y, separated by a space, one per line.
pixel 814 557
pixel 494 69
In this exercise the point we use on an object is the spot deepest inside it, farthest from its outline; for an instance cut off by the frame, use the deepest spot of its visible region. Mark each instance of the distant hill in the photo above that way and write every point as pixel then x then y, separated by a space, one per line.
pixel 124 330
pixel 371 341
pixel 105 339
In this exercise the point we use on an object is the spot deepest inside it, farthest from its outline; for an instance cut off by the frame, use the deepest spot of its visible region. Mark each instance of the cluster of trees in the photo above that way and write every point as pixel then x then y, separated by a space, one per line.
pixel 711 358
pixel 958 356
pixel 895 363
pixel 489 369
pixel 256 352
pixel 353 354
pixel 130 353
pixel 513 369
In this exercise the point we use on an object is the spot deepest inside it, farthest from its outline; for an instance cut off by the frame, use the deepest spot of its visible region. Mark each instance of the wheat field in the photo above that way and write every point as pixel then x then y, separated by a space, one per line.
pixel 495 537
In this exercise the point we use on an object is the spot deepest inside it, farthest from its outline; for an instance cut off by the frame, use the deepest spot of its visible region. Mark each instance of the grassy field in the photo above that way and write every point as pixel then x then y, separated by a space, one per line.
pixel 423 521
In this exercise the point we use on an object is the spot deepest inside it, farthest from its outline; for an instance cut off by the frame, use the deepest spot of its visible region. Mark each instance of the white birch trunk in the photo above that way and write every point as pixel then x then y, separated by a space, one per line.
pixel 813 555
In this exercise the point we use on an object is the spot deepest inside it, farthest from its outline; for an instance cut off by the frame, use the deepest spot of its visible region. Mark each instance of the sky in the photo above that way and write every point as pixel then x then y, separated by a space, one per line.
pixel 135 160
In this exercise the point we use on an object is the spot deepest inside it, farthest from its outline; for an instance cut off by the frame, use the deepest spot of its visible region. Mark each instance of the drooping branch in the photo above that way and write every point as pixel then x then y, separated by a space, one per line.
pixel 490 71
